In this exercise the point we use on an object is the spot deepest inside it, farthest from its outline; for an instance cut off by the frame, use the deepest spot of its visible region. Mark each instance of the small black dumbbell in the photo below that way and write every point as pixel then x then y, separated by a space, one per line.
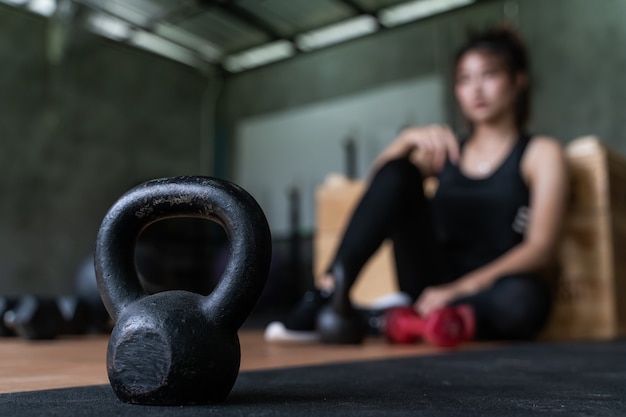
pixel 6 304
pixel 35 318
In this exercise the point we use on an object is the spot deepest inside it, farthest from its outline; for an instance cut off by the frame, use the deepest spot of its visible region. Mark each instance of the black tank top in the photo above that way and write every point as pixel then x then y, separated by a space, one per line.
pixel 477 220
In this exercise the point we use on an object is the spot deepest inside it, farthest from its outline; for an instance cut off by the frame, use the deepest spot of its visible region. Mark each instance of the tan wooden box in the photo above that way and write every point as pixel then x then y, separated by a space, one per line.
pixel 591 290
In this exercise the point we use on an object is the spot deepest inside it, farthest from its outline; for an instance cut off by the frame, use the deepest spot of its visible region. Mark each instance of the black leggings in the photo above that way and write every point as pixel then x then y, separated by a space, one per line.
pixel 394 207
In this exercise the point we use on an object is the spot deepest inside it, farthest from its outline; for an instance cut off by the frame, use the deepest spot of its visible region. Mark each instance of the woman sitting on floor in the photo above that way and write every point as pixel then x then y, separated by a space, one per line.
pixel 494 222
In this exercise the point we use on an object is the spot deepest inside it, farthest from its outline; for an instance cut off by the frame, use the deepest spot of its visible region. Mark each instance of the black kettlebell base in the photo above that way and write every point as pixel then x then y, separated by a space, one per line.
pixel 149 364
pixel 340 329
pixel 338 322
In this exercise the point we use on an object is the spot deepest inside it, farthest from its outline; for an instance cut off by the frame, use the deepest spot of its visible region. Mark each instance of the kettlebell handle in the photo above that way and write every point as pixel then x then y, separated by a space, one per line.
pixel 223 202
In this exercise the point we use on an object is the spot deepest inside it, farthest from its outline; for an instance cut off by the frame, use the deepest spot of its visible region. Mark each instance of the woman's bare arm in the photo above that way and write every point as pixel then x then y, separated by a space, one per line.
pixel 427 147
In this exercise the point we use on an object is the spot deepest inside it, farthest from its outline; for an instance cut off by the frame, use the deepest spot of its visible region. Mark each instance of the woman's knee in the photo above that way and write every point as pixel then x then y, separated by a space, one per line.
pixel 519 307
pixel 399 175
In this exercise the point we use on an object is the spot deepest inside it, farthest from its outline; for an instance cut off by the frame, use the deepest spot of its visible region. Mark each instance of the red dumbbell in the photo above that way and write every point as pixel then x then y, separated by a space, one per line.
pixel 445 327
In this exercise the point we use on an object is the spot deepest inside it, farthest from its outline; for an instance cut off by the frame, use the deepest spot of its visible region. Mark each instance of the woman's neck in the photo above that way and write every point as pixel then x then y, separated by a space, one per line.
pixel 491 133
pixel 487 148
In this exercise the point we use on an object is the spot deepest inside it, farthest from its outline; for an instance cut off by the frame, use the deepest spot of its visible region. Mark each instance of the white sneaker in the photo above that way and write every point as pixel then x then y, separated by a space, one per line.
pixel 391 300
pixel 277 332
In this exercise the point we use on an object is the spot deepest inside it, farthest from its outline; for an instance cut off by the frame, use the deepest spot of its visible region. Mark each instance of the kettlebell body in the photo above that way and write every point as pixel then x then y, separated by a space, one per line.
pixel 178 347
pixel 338 322
pixel 344 327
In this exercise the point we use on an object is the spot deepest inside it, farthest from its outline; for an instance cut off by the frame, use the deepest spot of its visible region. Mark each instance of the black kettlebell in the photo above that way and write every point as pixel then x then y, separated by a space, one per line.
pixel 338 322
pixel 178 347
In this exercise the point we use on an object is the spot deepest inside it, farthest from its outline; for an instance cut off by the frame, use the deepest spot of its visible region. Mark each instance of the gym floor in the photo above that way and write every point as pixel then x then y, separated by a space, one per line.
pixel 482 380
pixel 81 360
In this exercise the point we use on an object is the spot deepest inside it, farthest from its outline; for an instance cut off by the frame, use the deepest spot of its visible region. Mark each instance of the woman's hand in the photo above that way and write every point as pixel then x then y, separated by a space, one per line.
pixel 427 148
pixel 439 296
pixel 431 146
pixel 436 297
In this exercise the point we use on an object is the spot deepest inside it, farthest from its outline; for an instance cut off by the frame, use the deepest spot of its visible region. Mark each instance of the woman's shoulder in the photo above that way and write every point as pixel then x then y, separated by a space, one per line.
pixel 544 155
pixel 544 146
pixel 540 138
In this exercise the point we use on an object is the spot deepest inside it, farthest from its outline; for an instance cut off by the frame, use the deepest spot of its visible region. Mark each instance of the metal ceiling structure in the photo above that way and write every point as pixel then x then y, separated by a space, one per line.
pixel 236 35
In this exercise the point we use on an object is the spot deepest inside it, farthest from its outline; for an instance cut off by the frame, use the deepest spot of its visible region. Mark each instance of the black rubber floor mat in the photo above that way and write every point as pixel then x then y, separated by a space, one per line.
pixel 582 379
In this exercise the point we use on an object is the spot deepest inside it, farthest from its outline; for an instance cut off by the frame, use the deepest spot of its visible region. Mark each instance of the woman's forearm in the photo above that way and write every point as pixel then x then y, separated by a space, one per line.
pixel 399 148
pixel 523 258
pixel 427 147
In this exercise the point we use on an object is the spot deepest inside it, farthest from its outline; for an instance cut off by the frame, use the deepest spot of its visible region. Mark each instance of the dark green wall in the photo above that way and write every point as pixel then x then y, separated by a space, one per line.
pixel 74 137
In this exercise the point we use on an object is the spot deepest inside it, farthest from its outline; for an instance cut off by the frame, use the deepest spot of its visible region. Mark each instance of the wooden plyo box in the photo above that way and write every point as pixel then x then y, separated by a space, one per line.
pixel 591 291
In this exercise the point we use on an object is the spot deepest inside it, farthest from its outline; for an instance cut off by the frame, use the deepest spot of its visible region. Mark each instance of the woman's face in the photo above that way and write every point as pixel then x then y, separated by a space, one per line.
pixel 485 88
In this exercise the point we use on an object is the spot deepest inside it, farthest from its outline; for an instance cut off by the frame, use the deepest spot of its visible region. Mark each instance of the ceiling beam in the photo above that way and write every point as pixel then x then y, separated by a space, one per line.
pixel 356 7
pixel 245 16
pixel 178 15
